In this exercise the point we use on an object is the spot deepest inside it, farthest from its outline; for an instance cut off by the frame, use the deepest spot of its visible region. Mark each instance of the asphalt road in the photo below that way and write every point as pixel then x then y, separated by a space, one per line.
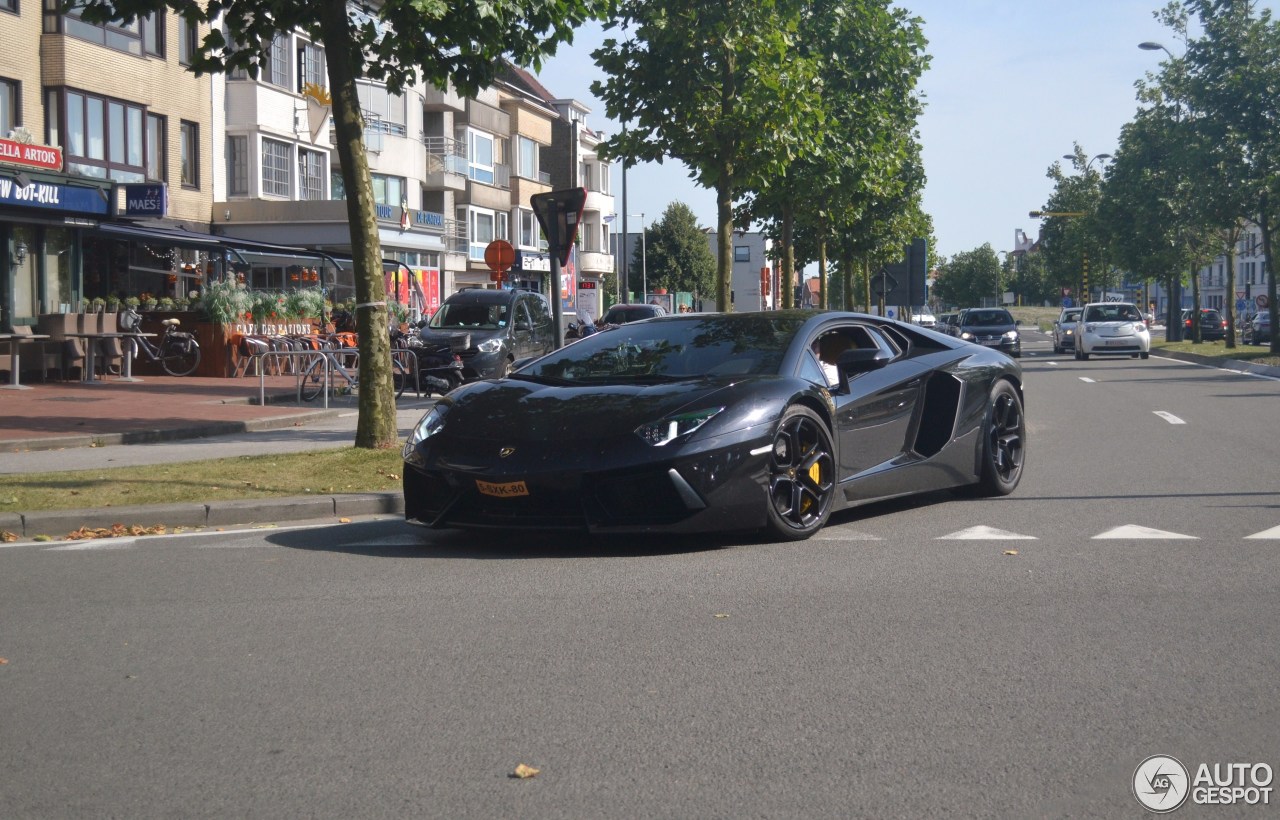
pixel 903 663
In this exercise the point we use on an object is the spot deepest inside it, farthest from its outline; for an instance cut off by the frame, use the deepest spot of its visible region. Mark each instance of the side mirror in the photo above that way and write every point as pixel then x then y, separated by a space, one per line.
pixel 863 360
pixel 1017 322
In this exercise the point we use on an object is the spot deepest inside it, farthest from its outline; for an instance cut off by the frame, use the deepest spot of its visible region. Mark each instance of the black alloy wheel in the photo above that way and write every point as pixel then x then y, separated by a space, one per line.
pixel 802 475
pixel 1004 441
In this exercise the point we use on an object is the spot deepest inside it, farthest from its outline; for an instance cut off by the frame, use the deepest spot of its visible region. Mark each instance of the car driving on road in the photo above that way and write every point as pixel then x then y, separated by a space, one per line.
pixel 1064 329
pixel 990 327
pixel 1112 329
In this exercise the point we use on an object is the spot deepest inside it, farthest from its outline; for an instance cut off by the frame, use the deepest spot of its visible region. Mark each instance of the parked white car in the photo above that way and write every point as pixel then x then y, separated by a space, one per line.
pixel 924 318
pixel 1112 329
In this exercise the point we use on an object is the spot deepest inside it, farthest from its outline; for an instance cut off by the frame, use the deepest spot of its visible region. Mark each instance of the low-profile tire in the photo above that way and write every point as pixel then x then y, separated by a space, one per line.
pixel 1004 441
pixel 802 473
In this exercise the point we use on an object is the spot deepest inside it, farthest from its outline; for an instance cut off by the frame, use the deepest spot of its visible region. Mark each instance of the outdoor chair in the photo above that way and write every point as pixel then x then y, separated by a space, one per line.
pixel 70 352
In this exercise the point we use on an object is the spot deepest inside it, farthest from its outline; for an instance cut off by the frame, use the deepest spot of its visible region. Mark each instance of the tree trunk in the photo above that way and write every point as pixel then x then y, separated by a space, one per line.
pixel 724 241
pixel 824 298
pixel 376 427
pixel 1269 271
pixel 1197 334
pixel 1232 237
pixel 789 254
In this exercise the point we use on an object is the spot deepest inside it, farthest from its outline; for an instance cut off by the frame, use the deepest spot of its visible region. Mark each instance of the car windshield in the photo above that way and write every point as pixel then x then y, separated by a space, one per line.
pixel 1112 313
pixel 988 317
pixel 671 349
pixel 470 315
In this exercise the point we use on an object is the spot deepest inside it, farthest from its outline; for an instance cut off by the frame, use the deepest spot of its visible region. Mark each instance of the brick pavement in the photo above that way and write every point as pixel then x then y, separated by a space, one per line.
pixel 57 414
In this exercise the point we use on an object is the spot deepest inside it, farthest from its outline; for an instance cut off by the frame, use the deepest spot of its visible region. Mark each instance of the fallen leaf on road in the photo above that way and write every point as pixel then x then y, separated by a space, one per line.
pixel 525 772
pixel 344 520
pixel 5 535
pixel 1010 552
pixel 3 661
pixel 722 615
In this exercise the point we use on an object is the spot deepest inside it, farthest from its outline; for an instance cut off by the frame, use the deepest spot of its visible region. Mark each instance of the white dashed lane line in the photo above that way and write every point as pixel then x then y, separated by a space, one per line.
pixel 1169 417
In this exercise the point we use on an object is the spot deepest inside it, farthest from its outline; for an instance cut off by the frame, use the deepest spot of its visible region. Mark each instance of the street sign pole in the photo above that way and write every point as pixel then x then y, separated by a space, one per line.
pixel 559 213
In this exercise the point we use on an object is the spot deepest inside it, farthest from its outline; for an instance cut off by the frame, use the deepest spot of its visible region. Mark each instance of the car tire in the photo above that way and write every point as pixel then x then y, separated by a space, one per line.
pixel 505 370
pixel 1003 442
pixel 1144 355
pixel 1057 349
pixel 802 475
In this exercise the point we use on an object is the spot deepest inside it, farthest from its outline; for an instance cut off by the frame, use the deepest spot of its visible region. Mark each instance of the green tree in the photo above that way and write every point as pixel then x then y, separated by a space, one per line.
pixel 719 86
pixel 1233 73
pixel 396 42
pixel 969 277
pixel 1072 239
pixel 678 257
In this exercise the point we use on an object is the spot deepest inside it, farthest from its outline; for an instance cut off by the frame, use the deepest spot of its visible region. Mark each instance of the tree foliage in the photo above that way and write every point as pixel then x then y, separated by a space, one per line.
pixel 678 257
pixel 398 43
pixel 969 277
pixel 719 86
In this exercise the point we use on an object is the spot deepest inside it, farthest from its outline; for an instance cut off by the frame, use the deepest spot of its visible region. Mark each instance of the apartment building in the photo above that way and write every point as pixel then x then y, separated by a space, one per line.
pixel 92 117
pixel 243 175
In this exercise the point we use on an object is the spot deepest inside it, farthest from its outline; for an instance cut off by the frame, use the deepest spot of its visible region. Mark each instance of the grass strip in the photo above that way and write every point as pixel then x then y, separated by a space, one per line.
pixel 347 470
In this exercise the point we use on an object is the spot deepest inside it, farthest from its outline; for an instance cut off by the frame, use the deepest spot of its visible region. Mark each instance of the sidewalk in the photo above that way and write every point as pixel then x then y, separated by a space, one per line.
pixel 57 414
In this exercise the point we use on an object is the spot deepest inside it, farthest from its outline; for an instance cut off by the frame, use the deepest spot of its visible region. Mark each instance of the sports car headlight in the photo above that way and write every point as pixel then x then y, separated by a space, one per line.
pixel 658 433
pixel 490 345
pixel 427 426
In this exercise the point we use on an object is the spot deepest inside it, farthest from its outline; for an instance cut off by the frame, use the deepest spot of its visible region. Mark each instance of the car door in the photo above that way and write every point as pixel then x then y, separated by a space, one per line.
pixel 522 329
pixel 874 409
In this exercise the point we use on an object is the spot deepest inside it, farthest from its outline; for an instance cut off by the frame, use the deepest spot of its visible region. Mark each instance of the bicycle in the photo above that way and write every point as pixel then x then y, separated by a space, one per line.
pixel 343 362
pixel 177 352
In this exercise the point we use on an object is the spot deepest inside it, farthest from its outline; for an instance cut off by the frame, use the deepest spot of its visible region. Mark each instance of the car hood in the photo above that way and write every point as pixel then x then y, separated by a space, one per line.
pixel 550 413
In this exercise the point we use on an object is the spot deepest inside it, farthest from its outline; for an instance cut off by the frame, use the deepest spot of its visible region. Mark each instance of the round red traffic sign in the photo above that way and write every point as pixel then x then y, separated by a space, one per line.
pixel 499 255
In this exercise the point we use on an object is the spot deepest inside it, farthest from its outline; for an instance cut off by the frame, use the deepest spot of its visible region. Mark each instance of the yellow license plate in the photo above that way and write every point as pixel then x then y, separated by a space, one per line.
pixel 508 490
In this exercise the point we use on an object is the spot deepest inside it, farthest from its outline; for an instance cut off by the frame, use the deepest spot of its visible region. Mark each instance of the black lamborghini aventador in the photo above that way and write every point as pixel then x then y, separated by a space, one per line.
pixel 698 422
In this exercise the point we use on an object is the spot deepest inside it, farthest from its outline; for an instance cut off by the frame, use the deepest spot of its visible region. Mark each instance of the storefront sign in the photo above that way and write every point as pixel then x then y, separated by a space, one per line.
pixel 52 196
pixel 526 261
pixel 31 155
pixel 149 199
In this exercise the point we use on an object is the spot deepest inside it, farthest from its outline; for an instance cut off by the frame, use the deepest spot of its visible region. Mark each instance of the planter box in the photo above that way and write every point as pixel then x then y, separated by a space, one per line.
pixel 214 342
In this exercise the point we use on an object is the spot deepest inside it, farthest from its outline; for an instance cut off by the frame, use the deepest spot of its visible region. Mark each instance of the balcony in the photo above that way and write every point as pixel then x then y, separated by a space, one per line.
pixel 596 263
pixel 446 163
pixel 433 99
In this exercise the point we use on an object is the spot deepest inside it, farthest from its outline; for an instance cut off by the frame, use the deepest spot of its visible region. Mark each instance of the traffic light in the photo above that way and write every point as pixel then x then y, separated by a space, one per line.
pixel 1084 279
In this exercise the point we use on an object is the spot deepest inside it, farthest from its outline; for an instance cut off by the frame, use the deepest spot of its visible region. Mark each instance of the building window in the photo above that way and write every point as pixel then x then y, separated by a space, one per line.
pixel 311 171
pixel 238 166
pixel 9 5
pixel 189 137
pixel 383 111
pixel 528 158
pixel 585 172
pixel 104 138
pixel 530 230
pixel 388 190
pixel 157 148
pixel 741 253
pixel 480 167
pixel 276 179
pixel 143 35
pixel 311 69
pixel 480 230
pixel 8 107
pixel 275 69
pixel 188 41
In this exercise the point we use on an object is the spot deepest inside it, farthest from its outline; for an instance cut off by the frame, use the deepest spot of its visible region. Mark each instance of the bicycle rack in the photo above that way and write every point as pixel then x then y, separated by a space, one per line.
pixel 261 360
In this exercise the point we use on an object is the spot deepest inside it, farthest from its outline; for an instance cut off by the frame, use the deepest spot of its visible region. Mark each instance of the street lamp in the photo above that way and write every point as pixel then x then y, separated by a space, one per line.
pixel 1092 159
pixel 644 262
pixel 1173 320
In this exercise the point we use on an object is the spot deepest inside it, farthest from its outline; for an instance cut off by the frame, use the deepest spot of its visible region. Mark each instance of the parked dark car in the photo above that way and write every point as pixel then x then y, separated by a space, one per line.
pixel 621 314
pixel 947 323
pixel 491 329
pixel 1213 327
pixel 1259 329
pixel 990 327
pixel 717 422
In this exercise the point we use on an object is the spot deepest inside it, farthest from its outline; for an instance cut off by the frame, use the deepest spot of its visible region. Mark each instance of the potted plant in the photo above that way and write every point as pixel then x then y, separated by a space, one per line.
pixel 164 303
pixel 84 304
pixel 305 303
pixel 148 301
pixel 113 304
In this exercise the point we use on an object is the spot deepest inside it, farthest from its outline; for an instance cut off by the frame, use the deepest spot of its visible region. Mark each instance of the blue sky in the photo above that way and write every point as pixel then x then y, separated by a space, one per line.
pixel 1012 86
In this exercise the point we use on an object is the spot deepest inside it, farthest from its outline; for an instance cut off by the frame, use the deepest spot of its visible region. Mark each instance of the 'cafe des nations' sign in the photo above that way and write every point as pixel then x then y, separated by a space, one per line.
pixel 30 155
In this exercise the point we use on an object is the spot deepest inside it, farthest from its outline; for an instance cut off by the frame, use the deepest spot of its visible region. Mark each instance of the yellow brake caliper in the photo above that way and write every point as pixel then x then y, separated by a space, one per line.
pixel 815 475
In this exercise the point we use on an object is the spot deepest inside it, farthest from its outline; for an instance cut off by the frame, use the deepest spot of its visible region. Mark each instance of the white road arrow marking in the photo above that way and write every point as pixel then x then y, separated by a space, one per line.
pixel 845 535
pixel 985 534
pixel 1274 532
pixel 1169 417
pixel 1087 379
pixel 1134 532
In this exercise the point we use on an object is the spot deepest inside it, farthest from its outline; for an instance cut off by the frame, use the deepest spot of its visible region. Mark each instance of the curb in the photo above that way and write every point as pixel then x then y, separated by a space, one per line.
pixel 57 523
pixel 1228 364
pixel 206 430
